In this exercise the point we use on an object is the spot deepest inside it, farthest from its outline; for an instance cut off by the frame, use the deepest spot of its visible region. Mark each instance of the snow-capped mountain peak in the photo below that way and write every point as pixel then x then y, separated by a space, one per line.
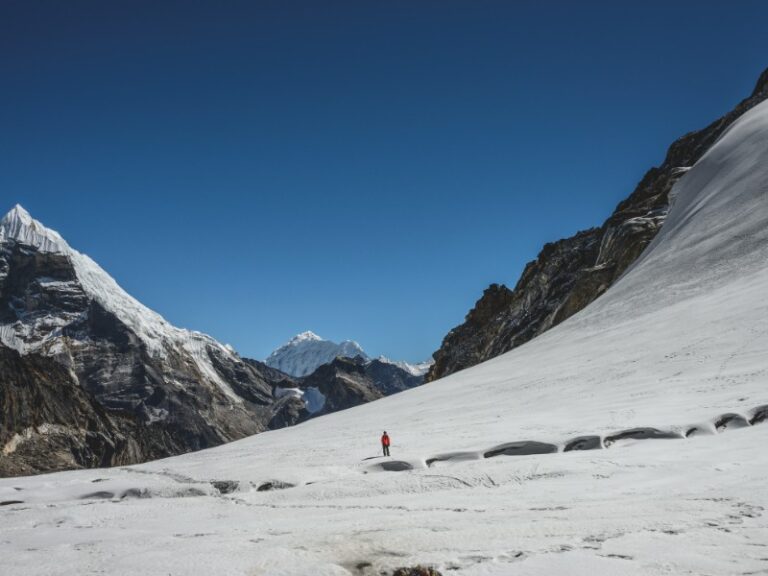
pixel 19 225
pixel 18 215
pixel 32 332
pixel 307 336
pixel 305 352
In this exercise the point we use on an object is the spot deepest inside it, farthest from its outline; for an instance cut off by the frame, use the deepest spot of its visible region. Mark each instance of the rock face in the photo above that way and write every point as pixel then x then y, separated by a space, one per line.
pixel 569 274
pixel 391 378
pixel 90 377
pixel 343 383
pixel 50 423
pixel 347 382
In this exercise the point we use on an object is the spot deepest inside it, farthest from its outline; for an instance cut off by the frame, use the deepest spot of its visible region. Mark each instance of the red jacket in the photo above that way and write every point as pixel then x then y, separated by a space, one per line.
pixel 385 440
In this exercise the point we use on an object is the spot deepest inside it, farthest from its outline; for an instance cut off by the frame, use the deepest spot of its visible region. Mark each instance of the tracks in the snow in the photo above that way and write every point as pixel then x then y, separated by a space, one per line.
pixel 721 423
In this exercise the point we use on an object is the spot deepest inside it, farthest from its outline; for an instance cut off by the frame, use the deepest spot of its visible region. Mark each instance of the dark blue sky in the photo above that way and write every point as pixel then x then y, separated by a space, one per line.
pixel 361 169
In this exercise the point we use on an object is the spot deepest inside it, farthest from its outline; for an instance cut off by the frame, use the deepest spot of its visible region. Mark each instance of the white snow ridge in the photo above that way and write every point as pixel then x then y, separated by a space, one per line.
pixel 630 440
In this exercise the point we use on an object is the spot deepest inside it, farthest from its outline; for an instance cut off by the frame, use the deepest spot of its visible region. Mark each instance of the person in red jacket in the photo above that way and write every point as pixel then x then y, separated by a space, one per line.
pixel 385 443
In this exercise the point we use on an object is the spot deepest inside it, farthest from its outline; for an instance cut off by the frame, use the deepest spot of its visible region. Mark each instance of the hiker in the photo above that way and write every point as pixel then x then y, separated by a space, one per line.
pixel 385 443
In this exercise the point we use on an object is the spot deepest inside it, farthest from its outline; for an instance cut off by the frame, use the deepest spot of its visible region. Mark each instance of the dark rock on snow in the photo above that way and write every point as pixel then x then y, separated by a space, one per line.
pixel 416 571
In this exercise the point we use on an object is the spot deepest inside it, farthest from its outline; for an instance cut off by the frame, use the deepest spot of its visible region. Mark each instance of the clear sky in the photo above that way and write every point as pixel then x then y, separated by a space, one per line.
pixel 361 169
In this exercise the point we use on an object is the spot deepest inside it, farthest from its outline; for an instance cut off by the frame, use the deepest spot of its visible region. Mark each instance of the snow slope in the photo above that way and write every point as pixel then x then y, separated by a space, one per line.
pixel 678 344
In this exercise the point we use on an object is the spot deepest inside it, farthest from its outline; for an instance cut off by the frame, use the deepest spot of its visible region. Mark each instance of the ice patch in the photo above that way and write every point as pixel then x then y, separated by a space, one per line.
pixel 314 400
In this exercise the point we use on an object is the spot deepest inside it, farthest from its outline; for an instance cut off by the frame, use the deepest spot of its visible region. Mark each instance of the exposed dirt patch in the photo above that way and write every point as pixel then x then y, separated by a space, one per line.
pixel 641 434
pixel 100 495
pixel 728 421
pixel 396 466
pixel 525 448
pixel 416 571
pixel 136 493
pixel 584 443
pixel 760 414
pixel 274 485
pixel 225 486
pixel 453 457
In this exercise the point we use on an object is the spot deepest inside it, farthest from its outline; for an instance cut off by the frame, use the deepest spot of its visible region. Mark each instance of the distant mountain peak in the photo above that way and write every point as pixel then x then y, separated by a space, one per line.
pixel 307 336
pixel 305 352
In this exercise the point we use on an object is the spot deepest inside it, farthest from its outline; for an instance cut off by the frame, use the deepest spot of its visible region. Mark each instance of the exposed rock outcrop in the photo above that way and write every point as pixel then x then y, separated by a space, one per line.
pixel 343 383
pixel 390 378
pixel 337 385
pixel 569 274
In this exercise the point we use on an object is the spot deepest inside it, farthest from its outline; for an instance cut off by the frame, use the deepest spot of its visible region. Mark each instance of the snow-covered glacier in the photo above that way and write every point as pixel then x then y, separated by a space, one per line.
pixel 630 439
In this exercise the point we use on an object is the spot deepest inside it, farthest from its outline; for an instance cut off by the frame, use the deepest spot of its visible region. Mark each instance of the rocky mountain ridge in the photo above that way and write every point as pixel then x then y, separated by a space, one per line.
pixel 569 274
pixel 336 385
pixel 91 377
